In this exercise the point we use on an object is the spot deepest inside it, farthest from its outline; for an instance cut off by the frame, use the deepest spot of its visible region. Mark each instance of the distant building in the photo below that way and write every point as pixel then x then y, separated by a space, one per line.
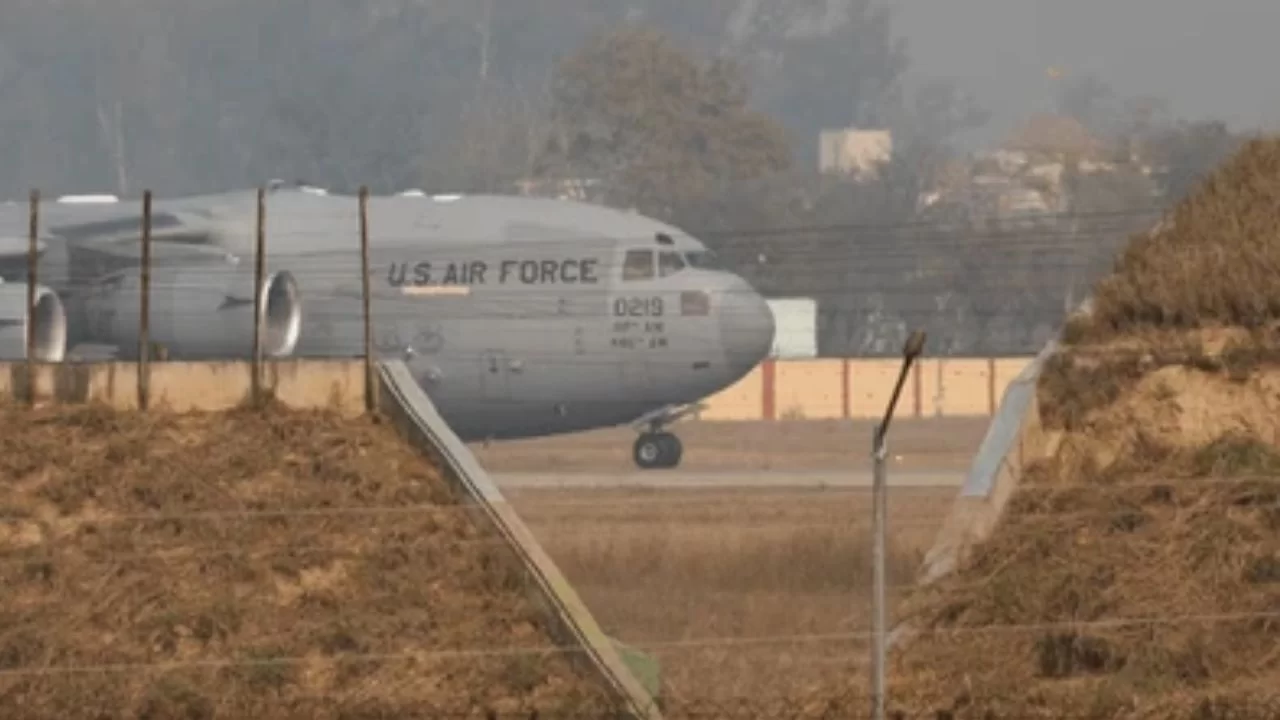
pixel 851 151
pixel 1025 178
pixel 1056 137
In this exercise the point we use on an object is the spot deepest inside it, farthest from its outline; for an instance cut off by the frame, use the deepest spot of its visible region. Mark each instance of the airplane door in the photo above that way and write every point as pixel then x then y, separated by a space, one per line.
pixel 494 375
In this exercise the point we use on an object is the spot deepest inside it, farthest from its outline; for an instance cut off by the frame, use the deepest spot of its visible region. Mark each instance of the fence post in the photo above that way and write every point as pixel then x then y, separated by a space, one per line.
pixel 879 531
pixel 33 255
pixel 144 308
pixel 370 395
pixel 880 502
pixel 259 262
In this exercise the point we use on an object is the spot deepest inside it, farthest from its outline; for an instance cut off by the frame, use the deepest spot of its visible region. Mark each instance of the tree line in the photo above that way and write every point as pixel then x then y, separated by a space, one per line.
pixel 706 114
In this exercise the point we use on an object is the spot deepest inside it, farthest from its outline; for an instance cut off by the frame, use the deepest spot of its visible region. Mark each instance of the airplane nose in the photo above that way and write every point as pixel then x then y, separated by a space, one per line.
pixel 746 328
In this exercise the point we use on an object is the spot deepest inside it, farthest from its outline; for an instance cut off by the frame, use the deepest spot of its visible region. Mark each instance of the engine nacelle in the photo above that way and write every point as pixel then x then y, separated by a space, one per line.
pixel 50 324
pixel 198 312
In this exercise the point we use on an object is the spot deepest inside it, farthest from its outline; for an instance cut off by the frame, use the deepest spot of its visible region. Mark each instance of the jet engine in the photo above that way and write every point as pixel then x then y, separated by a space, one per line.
pixel 50 324
pixel 197 312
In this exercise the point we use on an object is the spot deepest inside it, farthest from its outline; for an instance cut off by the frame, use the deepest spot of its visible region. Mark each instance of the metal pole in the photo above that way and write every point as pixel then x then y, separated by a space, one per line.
pixel 144 308
pixel 33 255
pixel 370 400
pixel 879 651
pixel 880 530
pixel 259 261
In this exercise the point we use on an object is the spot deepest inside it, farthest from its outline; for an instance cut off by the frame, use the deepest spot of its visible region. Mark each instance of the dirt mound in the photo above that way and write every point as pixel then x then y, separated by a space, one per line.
pixel 260 563
pixel 1136 571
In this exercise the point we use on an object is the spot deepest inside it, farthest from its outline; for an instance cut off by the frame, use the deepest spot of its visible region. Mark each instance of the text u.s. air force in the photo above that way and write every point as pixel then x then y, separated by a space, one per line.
pixel 630 335
pixel 566 271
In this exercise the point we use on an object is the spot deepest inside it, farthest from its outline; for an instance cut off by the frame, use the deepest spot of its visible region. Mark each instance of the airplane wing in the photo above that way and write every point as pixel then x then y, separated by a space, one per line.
pixel 96 235
pixel 92 255
pixel 81 241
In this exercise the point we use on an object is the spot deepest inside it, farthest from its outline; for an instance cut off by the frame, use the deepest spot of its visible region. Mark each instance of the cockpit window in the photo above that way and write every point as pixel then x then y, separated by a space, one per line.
pixel 638 265
pixel 703 260
pixel 669 263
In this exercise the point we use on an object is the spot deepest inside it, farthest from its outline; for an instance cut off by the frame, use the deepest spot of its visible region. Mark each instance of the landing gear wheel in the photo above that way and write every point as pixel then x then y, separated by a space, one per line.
pixel 648 451
pixel 657 450
pixel 672 449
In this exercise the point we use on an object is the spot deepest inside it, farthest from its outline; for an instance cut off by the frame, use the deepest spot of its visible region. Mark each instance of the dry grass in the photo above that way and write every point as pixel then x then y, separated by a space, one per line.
pixel 264 616
pixel 934 444
pixel 1137 571
pixel 1213 265
pixel 658 567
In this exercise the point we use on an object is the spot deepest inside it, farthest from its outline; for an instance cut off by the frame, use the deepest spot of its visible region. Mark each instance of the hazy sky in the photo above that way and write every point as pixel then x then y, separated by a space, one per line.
pixel 1208 59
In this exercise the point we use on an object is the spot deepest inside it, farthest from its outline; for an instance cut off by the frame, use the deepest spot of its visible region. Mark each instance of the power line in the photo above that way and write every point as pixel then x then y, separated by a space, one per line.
pixel 1024 219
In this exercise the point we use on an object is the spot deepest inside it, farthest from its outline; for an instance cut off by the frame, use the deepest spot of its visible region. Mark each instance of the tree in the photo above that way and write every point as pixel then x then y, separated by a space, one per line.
pixel 823 65
pixel 662 130
pixel 940 110
pixel 1090 100
pixel 1186 153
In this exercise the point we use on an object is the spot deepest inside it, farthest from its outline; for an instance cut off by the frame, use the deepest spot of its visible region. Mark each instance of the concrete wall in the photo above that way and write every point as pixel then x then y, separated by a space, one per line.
pixel 1014 439
pixel 776 390
pixel 190 386
pixel 860 388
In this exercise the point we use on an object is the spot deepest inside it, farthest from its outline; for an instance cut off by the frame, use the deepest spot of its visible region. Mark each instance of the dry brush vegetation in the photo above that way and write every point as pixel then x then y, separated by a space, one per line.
pixel 215 611
pixel 154 566
pixel 673 572
pixel 1136 571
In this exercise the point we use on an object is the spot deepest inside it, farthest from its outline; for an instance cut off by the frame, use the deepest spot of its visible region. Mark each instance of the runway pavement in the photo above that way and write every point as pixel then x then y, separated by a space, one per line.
pixel 681 479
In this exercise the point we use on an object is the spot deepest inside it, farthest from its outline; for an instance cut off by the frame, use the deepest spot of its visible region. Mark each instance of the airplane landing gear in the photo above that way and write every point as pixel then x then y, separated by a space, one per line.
pixel 655 450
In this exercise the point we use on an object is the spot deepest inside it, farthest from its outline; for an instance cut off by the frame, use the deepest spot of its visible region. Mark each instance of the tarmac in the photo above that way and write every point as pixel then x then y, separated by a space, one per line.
pixel 717 480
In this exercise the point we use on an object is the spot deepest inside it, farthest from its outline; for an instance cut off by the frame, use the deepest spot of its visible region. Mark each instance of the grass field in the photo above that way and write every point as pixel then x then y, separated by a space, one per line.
pixel 665 568
pixel 937 443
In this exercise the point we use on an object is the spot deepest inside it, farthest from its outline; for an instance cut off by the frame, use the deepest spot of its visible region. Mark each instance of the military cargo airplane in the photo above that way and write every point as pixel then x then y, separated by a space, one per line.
pixel 520 317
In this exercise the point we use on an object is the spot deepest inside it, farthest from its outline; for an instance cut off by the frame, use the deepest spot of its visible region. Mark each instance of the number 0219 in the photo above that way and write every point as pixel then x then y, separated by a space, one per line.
pixel 638 307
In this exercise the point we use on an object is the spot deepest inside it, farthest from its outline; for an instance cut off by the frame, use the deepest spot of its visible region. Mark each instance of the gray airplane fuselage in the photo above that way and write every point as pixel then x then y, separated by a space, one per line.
pixel 519 317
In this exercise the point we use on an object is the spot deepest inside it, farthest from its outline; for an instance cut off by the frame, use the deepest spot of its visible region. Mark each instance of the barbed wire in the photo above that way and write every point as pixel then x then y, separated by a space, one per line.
pixel 167 553
pixel 710 497
pixel 647 646
pixel 101 521
pixel 1025 253
pixel 58 553
pixel 658 647
pixel 1083 250
pixel 680 353
pixel 569 306
pixel 1118 214
pixel 119 214
pixel 1015 524
pixel 660 359
pixel 791 709
pixel 915 267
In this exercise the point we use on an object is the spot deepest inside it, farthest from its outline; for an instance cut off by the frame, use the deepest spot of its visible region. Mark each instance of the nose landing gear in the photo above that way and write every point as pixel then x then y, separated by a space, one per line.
pixel 655 450
pixel 656 447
